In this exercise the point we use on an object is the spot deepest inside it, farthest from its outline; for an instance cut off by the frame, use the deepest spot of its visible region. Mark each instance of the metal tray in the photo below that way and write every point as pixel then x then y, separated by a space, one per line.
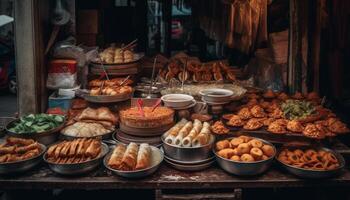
pixel 194 167
pixel 78 168
pixel 313 174
pixel 23 165
pixel 46 138
pixel 157 158
pixel 188 154
pixel 245 168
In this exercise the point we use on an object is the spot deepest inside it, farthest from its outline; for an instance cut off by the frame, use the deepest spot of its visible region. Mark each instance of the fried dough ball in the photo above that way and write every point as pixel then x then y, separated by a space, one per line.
pixel 295 126
pixel 226 153
pixel 257 111
pixel 245 138
pixel 223 144
pixel 243 149
pixel 255 143
pixel 253 124
pixel 268 150
pixel 244 114
pixel 235 121
pixel 247 158
pixel 235 158
pixel 264 157
pixel 236 141
pixel 256 153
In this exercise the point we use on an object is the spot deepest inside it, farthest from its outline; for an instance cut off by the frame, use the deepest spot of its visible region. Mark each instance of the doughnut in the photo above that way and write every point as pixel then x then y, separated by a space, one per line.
pixel 236 141
pixel 247 158
pixel 268 150
pixel 245 138
pixel 256 153
pixel 243 149
pixel 264 157
pixel 321 153
pixel 226 153
pixel 318 166
pixel 310 152
pixel 235 158
pixel 284 159
pixel 293 158
pixel 298 153
pixel 255 143
pixel 224 144
pixel 331 158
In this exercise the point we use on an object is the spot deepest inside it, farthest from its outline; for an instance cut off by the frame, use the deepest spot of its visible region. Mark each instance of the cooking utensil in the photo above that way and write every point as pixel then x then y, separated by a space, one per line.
pixel 188 153
pixel 156 159
pixel 158 102
pixel 78 168
pixel 122 83
pixel 23 165
pixel 245 168
pixel 140 107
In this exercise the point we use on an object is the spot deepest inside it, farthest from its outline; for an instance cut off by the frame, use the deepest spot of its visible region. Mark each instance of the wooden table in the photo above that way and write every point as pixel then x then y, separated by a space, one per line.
pixel 165 178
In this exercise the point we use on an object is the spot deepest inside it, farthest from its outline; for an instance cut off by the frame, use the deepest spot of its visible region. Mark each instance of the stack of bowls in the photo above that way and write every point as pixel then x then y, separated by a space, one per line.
pixel 216 96
pixel 178 101
pixel 189 158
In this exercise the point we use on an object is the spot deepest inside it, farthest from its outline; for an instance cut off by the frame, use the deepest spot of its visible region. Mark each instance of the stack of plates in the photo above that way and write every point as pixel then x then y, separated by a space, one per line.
pixel 189 165
pixel 126 139
pixel 144 132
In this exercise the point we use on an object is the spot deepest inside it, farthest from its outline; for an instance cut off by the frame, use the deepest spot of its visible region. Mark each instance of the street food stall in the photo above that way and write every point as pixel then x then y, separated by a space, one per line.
pixel 220 96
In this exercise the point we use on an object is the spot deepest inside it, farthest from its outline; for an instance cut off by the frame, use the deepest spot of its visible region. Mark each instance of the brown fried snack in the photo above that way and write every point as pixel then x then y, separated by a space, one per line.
pixel 312 131
pixel 219 128
pixel 236 121
pixel 338 127
pixel 268 121
pixel 295 126
pixel 257 111
pixel 277 127
pixel 244 113
pixel 276 113
pixel 253 124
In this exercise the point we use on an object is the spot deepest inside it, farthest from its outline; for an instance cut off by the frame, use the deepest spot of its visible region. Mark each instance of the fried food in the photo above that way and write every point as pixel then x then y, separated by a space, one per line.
pixel 256 153
pixel 276 113
pixel 253 124
pixel 243 148
pixel 268 121
pixel 312 131
pixel 268 150
pixel 255 143
pixel 247 158
pixel 219 128
pixel 338 127
pixel 257 111
pixel 244 114
pixel 236 141
pixel 74 151
pixel 295 126
pixel 309 159
pixel 223 144
pixel 277 128
pixel 226 153
pixel 18 149
pixel 236 121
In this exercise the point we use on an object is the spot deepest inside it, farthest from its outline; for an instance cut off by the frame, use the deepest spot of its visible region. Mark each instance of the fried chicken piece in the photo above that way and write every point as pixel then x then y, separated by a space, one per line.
pixel 244 113
pixel 236 121
pixel 312 131
pixel 253 124
pixel 277 127
pixel 295 126
pixel 257 111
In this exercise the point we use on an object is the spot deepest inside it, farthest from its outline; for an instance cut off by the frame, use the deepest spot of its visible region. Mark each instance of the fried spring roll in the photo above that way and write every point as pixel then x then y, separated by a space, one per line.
pixel 117 156
pixel 130 157
pixel 183 133
pixel 143 157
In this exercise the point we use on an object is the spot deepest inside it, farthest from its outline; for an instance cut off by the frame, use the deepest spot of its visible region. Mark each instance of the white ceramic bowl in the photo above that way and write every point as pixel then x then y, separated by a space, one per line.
pixel 216 95
pixel 177 100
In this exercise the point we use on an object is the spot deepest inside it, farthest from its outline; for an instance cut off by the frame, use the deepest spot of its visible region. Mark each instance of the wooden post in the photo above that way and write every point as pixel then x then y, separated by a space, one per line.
pixel 29 45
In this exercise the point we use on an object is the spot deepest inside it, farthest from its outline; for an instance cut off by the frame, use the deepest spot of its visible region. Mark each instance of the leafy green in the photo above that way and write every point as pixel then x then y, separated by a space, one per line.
pixel 36 123
pixel 295 109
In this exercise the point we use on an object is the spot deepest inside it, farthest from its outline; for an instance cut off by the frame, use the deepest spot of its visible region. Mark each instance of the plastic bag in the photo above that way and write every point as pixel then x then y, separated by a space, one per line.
pixel 62 74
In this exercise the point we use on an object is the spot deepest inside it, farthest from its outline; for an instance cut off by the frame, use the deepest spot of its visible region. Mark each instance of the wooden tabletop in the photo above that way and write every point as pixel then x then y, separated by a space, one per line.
pixel 165 178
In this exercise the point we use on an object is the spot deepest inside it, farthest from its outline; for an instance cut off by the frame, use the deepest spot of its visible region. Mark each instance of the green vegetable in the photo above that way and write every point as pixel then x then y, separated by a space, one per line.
pixel 37 123
pixel 295 109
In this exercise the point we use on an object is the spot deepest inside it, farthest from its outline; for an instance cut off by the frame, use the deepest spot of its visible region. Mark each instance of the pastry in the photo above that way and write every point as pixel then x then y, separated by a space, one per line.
pixel 247 158
pixel 130 157
pixel 257 111
pixel 312 131
pixel 236 141
pixel 224 144
pixel 171 134
pixel 276 127
pixel 117 156
pixel 226 153
pixel 253 124
pixel 184 131
pixel 203 137
pixel 143 157
pixel 244 114
pixel 268 150
pixel 295 126
pixel 219 128
pixel 255 143
pixel 256 153
pixel 235 121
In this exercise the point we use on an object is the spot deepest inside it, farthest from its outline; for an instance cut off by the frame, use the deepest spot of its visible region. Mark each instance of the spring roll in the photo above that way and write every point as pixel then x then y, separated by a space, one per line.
pixel 117 156
pixel 94 149
pixel 171 134
pixel 183 133
pixel 130 157
pixel 203 137
pixel 143 157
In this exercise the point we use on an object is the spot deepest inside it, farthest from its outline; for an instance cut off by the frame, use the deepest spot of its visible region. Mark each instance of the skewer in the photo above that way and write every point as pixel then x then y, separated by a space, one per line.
pixel 127 78
pixel 103 68
pixel 128 45
pixel 152 77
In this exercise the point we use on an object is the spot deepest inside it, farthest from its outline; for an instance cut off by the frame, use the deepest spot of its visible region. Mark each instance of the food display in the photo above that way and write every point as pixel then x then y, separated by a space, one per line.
pixel 131 157
pixel 91 122
pixel 189 134
pixel 283 114
pixel 18 149
pixel 244 149
pixel 74 151
pixel 112 87
pixel 36 123
pixel 219 128
pixel 309 159
pixel 195 71
pixel 147 117
pixel 114 55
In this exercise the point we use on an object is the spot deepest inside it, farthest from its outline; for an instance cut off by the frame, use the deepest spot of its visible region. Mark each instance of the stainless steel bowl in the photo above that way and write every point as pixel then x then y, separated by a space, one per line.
pixel 314 174
pixel 185 167
pixel 23 165
pixel 245 168
pixel 78 168
pixel 216 95
pixel 190 162
pixel 46 138
pixel 157 158
pixel 188 153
